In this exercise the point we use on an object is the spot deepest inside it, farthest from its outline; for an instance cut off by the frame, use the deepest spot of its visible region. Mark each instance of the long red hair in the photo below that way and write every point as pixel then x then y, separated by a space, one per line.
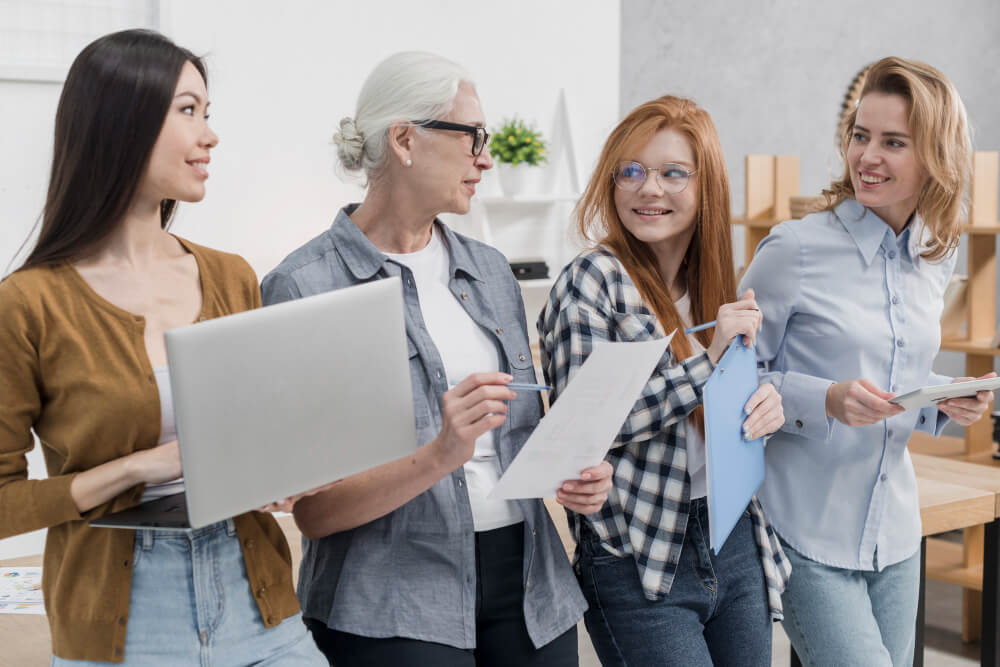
pixel 707 268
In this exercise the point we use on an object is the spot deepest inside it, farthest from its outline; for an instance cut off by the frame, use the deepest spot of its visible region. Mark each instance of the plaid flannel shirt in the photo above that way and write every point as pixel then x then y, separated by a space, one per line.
pixel 646 514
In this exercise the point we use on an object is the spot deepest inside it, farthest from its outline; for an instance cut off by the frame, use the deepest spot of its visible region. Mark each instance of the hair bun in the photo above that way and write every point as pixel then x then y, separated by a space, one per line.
pixel 350 144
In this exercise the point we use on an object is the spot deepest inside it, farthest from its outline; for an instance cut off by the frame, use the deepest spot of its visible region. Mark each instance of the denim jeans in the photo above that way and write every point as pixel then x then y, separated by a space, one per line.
pixel 191 604
pixel 851 618
pixel 715 614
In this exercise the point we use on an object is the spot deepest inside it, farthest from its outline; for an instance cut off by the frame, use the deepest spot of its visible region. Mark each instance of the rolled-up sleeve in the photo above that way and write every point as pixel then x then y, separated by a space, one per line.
pixel 931 420
pixel 775 276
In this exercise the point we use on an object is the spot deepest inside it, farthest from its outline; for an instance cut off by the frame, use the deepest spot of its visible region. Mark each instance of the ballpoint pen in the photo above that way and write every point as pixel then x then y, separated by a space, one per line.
pixel 521 386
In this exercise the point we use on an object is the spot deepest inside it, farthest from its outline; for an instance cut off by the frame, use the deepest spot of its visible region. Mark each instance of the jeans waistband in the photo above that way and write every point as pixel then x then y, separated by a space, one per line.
pixel 146 537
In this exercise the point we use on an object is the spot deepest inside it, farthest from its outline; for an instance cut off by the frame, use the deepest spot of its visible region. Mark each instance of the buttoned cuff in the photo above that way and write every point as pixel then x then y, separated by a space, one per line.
pixel 803 398
pixel 931 420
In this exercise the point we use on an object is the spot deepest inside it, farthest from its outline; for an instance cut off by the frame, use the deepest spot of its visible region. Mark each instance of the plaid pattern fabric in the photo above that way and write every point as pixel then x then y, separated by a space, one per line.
pixel 646 514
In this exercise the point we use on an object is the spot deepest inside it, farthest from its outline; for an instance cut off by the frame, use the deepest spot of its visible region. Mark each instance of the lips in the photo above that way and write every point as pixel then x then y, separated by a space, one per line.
pixel 200 166
pixel 652 211
pixel 869 178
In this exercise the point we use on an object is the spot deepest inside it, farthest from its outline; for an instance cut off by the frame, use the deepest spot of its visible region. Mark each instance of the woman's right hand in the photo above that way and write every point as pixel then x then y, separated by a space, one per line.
pixel 860 403
pixel 156 465
pixel 469 409
pixel 738 318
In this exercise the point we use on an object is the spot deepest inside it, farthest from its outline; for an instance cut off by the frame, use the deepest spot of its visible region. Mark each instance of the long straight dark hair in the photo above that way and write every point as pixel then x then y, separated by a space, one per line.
pixel 111 110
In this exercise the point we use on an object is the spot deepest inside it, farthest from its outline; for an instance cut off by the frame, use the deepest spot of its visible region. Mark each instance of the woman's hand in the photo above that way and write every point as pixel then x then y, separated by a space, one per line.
pixel 968 409
pixel 472 407
pixel 765 413
pixel 860 403
pixel 155 465
pixel 740 317
pixel 589 493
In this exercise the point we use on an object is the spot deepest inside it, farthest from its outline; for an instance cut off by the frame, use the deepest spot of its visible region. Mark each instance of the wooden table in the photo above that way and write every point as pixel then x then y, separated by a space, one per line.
pixel 26 640
pixel 954 567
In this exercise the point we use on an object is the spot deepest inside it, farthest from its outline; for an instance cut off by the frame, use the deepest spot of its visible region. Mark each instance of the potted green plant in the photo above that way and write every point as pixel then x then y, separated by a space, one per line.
pixel 518 149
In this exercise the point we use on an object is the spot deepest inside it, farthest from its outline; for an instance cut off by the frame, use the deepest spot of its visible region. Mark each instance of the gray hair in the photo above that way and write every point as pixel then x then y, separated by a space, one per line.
pixel 406 86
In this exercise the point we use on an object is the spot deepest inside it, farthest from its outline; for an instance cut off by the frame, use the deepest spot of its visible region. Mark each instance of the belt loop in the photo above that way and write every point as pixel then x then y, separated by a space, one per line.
pixel 230 527
pixel 147 539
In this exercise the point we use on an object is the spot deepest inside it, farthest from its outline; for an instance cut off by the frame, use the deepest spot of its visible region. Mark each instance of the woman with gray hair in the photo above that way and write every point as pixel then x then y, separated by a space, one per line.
pixel 411 563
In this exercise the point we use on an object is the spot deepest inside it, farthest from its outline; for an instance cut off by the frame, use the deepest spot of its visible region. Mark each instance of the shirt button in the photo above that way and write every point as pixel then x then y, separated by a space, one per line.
pixel 521 357
pixel 798 423
pixel 439 375
pixel 923 419
pixel 884 477
pixel 889 433
pixel 499 331
pixel 892 254
pixel 460 483
pixel 534 533
pixel 465 297
pixel 409 283
pixel 895 298
pixel 899 342
pixel 527 584
pixel 895 387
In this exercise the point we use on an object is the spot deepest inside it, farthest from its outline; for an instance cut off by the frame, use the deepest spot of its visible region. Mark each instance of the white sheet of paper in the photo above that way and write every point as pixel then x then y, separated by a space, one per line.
pixel 581 426
pixel 21 590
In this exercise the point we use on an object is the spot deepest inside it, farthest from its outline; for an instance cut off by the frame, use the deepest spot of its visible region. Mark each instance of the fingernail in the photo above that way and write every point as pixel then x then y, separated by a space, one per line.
pixel 746 409
pixel 586 475
pixel 568 486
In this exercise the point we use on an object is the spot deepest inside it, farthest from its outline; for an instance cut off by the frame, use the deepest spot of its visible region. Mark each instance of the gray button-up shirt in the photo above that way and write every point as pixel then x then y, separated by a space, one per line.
pixel 412 573
pixel 844 298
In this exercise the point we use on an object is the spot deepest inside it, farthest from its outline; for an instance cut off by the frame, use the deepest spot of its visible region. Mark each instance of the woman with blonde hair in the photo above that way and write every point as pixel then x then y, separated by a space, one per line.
pixel 657 207
pixel 851 298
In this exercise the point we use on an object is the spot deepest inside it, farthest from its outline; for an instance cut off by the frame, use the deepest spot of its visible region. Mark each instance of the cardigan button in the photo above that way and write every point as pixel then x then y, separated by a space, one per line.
pixel 118 652
pixel 260 591
pixel 121 621
pixel 271 620
pixel 126 564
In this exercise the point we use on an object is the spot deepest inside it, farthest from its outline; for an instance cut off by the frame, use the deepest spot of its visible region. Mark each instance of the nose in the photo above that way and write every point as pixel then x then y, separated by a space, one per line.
pixel 484 160
pixel 209 139
pixel 871 154
pixel 652 185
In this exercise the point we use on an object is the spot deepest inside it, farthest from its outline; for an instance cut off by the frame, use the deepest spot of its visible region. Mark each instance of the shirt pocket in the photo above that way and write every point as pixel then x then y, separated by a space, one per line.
pixel 419 386
pixel 631 327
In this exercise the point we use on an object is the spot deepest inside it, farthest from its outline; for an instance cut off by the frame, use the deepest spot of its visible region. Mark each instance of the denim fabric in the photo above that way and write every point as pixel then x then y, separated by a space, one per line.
pixel 851 618
pixel 502 638
pixel 191 604
pixel 716 612
pixel 844 298
pixel 412 572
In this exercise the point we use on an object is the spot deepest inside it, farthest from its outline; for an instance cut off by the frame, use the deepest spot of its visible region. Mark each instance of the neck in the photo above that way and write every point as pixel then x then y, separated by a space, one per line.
pixel 137 240
pixel 670 256
pixel 392 221
pixel 896 215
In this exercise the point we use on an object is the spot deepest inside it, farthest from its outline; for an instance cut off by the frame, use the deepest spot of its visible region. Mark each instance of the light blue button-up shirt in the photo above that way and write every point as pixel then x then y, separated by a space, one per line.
pixel 844 298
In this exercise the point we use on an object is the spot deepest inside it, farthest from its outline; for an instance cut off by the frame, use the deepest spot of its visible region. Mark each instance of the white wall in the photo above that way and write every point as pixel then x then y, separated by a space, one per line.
pixel 282 75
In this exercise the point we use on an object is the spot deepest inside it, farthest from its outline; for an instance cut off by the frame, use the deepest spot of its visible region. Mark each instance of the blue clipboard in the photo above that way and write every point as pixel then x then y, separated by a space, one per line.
pixel 734 466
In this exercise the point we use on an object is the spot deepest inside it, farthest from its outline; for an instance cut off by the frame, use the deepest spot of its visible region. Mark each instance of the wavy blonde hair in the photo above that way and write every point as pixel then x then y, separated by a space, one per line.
pixel 708 264
pixel 941 136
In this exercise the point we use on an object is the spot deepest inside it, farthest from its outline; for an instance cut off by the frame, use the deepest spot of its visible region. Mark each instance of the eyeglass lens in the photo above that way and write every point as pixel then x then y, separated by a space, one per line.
pixel 630 176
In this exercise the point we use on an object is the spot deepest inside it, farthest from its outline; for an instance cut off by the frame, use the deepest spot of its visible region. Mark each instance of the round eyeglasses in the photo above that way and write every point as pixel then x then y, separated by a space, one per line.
pixel 630 176
pixel 479 134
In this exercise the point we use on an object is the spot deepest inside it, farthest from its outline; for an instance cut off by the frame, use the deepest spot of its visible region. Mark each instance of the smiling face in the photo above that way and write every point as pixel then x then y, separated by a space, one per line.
pixel 178 165
pixel 885 170
pixel 443 163
pixel 654 216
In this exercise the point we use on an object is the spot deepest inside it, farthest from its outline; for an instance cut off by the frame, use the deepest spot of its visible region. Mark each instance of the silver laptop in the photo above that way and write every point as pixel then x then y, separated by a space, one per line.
pixel 276 401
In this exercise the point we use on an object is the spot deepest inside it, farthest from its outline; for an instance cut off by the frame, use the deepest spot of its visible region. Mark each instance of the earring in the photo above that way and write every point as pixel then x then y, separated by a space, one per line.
pixel 409 162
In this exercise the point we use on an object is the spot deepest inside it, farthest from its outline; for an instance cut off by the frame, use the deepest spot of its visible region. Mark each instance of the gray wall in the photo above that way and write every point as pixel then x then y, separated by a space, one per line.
pixel 773 74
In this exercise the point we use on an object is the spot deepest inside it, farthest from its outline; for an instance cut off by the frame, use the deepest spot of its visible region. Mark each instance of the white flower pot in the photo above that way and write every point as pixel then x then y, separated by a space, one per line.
pixel 519 181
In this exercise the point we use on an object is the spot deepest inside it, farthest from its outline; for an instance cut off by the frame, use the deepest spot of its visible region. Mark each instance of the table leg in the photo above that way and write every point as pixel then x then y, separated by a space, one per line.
pixel 989 642
pixel 918 643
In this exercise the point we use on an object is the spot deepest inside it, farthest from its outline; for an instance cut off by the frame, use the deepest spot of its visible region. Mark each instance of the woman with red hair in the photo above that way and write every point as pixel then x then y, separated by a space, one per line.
pixel 657 208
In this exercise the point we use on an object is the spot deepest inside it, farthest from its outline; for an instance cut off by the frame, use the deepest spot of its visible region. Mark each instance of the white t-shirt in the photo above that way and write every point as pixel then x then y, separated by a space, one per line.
pixel 465 349
pixel 693 438
pixel 168 433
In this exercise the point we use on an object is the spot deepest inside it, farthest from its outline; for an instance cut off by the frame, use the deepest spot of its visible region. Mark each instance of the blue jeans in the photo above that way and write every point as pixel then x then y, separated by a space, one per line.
pixel 844 617
pixel 191 604
pixel 715 614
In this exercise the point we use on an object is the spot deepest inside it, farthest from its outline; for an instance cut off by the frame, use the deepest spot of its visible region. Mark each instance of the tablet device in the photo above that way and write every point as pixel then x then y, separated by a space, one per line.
pixel 928 396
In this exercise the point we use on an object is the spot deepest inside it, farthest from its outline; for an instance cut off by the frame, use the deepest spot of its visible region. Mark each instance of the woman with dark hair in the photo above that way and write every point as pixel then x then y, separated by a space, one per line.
pixel 83 365
pixel 657 208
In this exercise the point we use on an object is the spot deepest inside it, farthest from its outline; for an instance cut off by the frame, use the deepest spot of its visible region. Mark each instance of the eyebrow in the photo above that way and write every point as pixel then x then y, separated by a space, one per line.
pixel 888 134
pixel 196 96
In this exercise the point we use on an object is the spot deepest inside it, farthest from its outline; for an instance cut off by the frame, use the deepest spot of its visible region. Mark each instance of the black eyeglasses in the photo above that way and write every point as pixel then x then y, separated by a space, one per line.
pixel 479 134
pixel 630 176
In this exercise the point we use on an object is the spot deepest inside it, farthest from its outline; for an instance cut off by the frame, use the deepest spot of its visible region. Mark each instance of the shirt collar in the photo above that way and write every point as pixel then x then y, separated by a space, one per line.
pixel 364 260
pixel 868 231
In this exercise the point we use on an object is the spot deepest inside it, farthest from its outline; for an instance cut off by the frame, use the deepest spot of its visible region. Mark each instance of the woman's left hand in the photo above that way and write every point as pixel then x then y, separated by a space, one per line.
pixel 968 410
pixel 589 493
pixel 764 412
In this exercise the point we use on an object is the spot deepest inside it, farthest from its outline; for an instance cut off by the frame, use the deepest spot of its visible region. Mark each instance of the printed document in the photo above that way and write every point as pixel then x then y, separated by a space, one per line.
pixel 581 426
